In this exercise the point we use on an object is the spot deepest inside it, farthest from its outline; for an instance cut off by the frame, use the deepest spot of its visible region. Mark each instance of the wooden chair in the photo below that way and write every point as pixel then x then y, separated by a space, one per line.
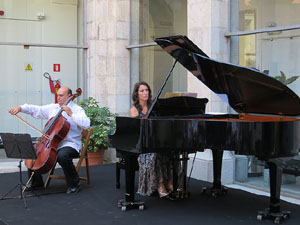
pixel 86 134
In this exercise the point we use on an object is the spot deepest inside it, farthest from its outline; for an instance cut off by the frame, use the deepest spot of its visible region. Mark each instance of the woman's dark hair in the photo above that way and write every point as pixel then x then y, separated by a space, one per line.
pixel 135 95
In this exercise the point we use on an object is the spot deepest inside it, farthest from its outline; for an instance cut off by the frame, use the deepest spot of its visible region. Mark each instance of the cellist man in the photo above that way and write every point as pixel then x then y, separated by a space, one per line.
pixel 70 146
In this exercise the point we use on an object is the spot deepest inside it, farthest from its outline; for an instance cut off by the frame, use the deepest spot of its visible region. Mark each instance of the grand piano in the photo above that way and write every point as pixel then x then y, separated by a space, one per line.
pixel 265 124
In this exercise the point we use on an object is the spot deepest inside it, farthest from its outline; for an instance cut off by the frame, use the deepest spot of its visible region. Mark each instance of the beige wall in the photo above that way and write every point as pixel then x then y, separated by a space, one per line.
pixel 108 78
pixel 207 23
pixel 108 58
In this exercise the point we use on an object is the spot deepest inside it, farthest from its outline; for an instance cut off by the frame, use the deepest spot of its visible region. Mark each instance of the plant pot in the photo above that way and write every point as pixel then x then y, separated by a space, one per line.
pixel 95 158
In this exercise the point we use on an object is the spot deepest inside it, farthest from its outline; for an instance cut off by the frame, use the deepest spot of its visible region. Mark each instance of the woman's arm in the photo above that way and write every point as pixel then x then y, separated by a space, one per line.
pixel 133 112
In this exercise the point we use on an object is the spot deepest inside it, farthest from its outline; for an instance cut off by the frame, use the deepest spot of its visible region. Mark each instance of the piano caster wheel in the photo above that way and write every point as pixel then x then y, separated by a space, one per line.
pixel 276 217
pixel 286 215
pixel 179 194
pixel 223 191
pixel 277 220
pixel 119 204
pixel 131 205
pixel 259 217
pixel 214 192
pixel 263 214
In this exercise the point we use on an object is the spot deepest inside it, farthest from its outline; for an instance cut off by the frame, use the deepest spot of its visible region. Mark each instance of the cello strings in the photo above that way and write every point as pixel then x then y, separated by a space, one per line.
pixel 53 120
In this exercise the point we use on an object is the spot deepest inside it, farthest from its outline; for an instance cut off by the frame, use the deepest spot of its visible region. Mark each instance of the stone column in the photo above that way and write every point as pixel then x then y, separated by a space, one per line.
pixel 207 23
pixel 108 59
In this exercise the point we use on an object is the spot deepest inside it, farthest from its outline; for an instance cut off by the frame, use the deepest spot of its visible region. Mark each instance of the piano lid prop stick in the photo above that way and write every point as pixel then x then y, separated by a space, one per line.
pixel 160 90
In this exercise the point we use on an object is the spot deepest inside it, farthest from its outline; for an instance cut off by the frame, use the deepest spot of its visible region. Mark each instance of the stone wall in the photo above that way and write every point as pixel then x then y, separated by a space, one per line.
pixel 207 23
pixel 108 28
pixel 108 59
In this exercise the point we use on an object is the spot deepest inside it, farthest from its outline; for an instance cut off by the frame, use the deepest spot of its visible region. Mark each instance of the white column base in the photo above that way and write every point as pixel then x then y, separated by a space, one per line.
pixel 203 166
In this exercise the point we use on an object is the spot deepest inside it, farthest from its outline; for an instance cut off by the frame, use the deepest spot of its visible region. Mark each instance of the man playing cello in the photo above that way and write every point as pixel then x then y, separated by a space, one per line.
pixel 70 146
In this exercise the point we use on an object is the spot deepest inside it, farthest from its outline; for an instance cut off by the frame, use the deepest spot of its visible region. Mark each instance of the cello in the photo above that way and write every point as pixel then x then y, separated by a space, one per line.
pixel 56 129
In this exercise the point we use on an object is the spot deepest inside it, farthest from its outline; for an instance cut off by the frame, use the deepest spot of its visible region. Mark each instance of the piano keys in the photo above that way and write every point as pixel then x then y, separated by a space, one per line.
pixel 265 124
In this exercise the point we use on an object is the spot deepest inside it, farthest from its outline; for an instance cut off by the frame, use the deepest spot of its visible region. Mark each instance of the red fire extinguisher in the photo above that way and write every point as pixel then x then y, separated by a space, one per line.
pixel 53 88
pixel 57 86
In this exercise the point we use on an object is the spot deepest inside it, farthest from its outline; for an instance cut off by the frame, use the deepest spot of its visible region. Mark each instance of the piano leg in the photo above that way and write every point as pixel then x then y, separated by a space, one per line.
pixel 217 164
pixel 180 192
pixel 130 202
pixel 274 212
pixel 175 161
pixel 217 189
pixel 185 158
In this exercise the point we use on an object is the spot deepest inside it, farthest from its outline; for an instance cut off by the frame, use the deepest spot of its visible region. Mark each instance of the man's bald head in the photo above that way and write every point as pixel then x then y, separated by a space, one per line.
pixel 64 89
pixel 62 94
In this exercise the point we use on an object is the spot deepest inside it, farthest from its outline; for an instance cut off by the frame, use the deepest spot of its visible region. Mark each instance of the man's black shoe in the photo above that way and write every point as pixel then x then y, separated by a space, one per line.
pixel 73 189
pixel 35 187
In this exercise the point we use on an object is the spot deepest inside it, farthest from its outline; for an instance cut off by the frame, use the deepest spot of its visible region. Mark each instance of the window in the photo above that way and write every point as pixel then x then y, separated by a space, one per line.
pixel 266 35
pixel 151 19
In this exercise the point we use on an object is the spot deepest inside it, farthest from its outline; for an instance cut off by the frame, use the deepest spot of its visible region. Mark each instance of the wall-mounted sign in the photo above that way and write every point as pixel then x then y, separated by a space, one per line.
pixel 56 67
pixel 28 67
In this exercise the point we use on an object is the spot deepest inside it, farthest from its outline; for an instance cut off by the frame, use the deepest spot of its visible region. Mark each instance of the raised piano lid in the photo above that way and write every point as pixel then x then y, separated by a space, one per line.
pixel 247 90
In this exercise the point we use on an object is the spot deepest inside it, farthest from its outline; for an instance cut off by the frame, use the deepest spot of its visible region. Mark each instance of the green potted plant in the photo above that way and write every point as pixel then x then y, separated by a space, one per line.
pixel 102 122
pixel 282 77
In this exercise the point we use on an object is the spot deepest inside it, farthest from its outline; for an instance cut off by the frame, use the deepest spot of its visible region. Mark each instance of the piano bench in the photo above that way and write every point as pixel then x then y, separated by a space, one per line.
pixel 292 167
pixel 292 171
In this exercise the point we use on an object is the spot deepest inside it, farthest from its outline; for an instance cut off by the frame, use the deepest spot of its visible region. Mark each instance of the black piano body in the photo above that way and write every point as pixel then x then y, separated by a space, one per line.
pixel 219 132
pixel 272 139
pixel 265 125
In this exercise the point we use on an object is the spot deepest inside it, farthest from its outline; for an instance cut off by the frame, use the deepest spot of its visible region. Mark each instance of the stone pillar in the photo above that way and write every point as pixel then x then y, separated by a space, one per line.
pixel 207 23
pixel 108 25
pixel 202 169
pixel 241 168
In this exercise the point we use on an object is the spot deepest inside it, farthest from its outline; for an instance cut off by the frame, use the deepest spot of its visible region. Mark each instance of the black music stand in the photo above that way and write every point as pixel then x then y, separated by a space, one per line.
pixel 18 146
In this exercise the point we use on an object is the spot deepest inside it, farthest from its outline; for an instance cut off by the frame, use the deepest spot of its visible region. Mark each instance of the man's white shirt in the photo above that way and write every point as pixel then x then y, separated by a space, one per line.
pixel 78 121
